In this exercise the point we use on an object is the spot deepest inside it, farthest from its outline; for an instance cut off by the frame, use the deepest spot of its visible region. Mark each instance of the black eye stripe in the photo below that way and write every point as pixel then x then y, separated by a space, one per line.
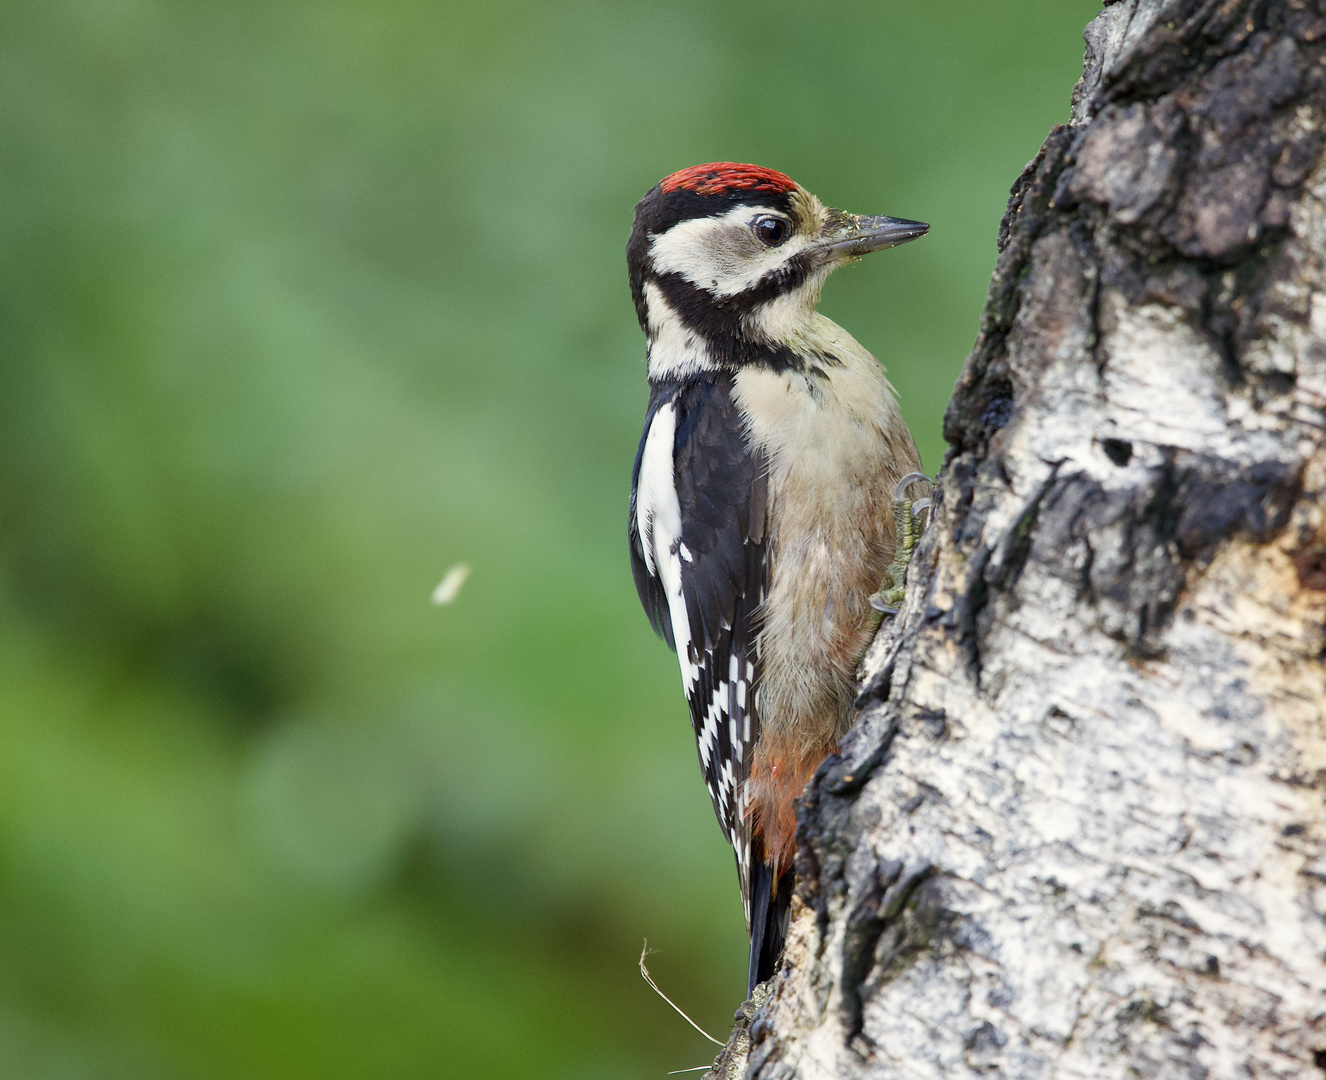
pixel 700 313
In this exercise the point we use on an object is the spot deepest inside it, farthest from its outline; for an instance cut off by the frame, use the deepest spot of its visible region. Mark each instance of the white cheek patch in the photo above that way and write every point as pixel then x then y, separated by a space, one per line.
pixel 722 255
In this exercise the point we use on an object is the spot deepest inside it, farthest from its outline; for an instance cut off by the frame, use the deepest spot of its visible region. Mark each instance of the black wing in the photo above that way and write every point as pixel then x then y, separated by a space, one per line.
pixel 720 485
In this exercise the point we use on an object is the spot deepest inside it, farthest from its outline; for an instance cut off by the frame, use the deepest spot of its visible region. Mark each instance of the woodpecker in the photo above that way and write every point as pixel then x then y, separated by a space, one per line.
pixel 761 491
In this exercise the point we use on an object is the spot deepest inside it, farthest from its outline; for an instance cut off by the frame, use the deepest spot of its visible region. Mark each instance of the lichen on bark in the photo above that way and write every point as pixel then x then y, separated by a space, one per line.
pixel 1079 829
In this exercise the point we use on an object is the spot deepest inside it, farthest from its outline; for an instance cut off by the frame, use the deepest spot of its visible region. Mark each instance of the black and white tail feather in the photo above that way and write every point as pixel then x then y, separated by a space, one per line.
pixel 698 529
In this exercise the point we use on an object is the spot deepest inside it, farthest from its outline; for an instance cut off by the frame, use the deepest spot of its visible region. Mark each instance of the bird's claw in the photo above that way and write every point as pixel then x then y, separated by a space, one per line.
pixel 908 529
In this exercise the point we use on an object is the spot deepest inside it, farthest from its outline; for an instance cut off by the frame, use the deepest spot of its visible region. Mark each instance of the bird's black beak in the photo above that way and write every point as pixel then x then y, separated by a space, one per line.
pixel 848 235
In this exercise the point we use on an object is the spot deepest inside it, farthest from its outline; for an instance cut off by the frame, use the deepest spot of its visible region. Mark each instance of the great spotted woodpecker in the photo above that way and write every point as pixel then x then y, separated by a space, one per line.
pixel 761 497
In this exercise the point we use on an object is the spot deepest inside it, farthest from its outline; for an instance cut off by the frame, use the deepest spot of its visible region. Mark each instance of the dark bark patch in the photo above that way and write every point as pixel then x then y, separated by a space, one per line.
pixel 1171 911
pixel 1128 549
pixel 1216 502
pixel 1198 145
pixel 961 620
pixel 998 408
pixel 842 779
pixel 1119 451
pixel 1310 565
pixel 1253 84
pixel 1174 50
pixel 906 918
pixel 1015 545
pixel 864 925
pixel 984 1045
pixel 934 722
pixel 1220 209
pixel 1126 160
pixel 1140 1011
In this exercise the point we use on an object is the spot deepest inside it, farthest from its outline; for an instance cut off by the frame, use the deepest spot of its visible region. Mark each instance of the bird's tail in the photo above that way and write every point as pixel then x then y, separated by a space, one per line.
pixel 770 903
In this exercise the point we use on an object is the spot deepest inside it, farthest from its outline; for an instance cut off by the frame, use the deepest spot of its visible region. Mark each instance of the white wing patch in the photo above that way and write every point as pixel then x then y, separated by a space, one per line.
pixel 656 492
pixel 708 737
pixel 658 521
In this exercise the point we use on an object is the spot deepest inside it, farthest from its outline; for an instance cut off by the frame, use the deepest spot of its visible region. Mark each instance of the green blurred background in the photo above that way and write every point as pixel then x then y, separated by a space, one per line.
pixel 302 303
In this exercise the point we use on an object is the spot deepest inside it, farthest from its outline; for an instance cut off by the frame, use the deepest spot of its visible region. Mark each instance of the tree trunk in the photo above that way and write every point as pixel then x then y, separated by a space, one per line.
pixel 1079 829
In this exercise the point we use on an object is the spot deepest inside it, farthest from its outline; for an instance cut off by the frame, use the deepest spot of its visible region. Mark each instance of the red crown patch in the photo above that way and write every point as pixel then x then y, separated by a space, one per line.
pixel 719 177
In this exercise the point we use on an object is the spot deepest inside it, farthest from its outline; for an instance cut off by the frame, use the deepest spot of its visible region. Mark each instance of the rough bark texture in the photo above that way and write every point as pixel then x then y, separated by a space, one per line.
pixel 1080 827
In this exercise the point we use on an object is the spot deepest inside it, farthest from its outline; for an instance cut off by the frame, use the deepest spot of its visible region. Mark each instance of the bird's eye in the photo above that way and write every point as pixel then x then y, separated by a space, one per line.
pixel 772 230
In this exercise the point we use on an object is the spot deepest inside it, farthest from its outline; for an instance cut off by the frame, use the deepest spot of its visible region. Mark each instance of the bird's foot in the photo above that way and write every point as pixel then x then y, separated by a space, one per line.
pixel 908 528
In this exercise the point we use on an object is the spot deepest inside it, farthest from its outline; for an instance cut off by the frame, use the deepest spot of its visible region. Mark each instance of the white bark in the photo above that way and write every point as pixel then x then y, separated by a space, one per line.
pixel 1080 827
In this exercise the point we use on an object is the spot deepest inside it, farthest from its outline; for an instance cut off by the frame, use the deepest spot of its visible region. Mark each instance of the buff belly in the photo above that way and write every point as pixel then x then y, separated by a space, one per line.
pixel 835 454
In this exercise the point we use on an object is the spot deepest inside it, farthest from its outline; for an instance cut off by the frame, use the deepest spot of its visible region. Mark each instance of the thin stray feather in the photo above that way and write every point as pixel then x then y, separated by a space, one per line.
pixel 650 980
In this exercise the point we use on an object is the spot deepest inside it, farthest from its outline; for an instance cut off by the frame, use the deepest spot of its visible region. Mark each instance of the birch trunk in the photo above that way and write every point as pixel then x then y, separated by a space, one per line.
pixel 1079 829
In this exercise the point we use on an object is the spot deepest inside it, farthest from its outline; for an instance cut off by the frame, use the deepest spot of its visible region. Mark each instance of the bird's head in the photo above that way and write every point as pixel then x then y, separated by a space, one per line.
pixel 727 262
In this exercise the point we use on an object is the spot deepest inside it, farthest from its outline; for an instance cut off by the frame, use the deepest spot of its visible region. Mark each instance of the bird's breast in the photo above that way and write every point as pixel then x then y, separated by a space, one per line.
pixel 836 445
pixel 827 428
